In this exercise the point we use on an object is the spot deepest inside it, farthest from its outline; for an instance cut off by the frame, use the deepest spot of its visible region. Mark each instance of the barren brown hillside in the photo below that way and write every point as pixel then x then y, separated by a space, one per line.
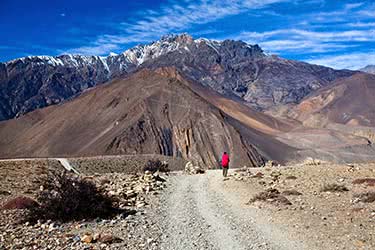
pixel 348 101
pixel 149 112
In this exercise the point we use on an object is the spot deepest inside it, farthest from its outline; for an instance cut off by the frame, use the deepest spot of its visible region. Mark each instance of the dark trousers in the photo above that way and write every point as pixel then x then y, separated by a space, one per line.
pixel 225 171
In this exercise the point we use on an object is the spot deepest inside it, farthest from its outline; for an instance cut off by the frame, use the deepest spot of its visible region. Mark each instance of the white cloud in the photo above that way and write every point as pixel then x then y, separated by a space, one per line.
pixel 93 50
pixel 362 24
pixel 346 61
pixel 301 47
pixel 351 6
pixel 368 13
pixel 306 41
pixel 352 10
pixel 300 34
pixel 174 18
pixel 313 33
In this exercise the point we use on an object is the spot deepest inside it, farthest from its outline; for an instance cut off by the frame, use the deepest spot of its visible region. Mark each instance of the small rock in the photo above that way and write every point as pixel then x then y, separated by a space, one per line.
pixel 87 238
pixel 96 236
pixel 51 227
pixel 106 238
pixel 76 238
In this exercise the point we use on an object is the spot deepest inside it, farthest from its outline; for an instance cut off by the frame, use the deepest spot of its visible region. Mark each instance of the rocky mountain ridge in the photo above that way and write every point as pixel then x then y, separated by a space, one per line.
pixel 369 69
pixel 232 68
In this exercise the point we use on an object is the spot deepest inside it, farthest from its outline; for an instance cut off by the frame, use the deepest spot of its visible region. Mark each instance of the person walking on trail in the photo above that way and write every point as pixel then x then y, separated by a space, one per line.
pixel 225 163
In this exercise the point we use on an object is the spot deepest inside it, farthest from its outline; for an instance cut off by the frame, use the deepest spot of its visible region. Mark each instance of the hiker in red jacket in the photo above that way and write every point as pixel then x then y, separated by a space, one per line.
pixel 225 163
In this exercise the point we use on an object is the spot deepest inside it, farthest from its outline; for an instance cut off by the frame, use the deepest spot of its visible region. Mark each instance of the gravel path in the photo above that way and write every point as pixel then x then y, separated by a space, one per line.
pixel 198 212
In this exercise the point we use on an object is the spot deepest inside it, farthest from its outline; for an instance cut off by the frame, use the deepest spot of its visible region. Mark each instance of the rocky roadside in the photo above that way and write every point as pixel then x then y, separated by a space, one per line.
pixel 329 205
pixel 133 228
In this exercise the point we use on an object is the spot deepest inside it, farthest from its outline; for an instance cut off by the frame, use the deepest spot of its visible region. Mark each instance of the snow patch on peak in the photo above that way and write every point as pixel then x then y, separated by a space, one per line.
pixel 38 60
pixel 142 53
pixel 214 44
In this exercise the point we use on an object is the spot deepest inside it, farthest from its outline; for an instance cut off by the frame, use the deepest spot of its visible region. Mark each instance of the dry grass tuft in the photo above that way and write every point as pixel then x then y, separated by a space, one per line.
pixel 366 197
pixel 156 165
pixel 291 192
pixel 271 195
pixel 334 188
pixel 291 177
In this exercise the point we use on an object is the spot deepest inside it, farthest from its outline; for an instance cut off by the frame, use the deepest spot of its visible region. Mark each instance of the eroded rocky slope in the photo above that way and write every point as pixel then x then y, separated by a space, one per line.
pixel 148 112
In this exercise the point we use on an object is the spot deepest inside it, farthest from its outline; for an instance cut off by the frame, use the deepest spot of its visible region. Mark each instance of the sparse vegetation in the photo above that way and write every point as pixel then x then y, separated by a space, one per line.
pixel 366 197
pixel 291 192
pixel 5 193
pixel 66 197
pixel 334 188
pixel 156 165
pixel 291 177
pixel 271 195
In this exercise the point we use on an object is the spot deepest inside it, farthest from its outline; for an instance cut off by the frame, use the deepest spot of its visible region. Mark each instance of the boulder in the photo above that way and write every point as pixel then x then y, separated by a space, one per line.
pixel 191 169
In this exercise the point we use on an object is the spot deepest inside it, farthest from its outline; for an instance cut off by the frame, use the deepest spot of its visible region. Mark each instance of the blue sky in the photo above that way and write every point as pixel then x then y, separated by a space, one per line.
pixel 336 33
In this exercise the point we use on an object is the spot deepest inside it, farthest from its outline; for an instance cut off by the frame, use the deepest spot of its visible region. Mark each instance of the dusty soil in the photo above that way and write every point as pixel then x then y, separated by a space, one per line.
pixel 327 220
pixel 18 177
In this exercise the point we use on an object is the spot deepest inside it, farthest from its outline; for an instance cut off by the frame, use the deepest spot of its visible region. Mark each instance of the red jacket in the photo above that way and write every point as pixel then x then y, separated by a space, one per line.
pixel 225 160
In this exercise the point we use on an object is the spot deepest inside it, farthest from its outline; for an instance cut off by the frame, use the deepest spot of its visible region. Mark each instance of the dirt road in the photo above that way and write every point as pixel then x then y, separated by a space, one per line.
pixel 203 212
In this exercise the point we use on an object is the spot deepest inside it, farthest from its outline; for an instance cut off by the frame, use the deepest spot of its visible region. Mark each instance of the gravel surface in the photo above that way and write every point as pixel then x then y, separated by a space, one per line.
pixel 198 213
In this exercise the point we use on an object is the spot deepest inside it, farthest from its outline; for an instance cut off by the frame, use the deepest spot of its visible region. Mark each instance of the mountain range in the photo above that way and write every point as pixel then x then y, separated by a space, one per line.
pixel 189 98
pixel 233 68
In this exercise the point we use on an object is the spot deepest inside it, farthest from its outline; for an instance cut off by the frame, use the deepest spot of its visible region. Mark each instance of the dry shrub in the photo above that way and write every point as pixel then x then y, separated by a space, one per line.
pixel 271 195
pixel 5 193
pixel 357 209
pixel 291 177
pixel 291 192
pixel 367 197
pixel 368 181
pixel 156 165
pixel 258 175
pixel 334 188
pixel 200 171
pixel 66 197
pixel 20 202
pixel 104 181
